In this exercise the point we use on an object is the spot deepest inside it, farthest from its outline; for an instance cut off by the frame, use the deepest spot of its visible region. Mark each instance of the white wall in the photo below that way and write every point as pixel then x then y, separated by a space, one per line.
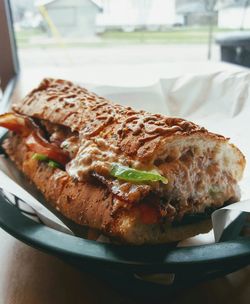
pixel 162 12
pixel 232 18
pixel 140 12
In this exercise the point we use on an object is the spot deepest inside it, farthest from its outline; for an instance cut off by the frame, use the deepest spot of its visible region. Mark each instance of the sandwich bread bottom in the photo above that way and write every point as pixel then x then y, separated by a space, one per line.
pixel 90 204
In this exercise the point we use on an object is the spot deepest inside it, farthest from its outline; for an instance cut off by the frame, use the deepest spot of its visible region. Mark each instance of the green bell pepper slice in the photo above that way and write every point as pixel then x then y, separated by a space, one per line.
pixel 44 158
pixel 53 164
pixel 137 176
pixel 40 157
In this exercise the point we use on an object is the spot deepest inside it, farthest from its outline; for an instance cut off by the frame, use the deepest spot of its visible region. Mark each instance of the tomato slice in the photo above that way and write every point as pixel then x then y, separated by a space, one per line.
pixel 14 122
pixel 39 145
pixel 149 214
pixel 33 136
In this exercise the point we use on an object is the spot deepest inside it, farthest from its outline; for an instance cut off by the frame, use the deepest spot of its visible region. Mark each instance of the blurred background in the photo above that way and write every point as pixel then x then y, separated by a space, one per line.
pixel 91 33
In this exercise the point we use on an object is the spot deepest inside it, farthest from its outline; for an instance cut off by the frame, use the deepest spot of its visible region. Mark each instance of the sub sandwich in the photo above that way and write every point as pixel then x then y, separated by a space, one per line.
pixel 136 177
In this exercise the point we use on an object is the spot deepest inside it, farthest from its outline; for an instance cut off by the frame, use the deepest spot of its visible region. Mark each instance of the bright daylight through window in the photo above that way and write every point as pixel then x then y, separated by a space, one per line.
pixel 108 32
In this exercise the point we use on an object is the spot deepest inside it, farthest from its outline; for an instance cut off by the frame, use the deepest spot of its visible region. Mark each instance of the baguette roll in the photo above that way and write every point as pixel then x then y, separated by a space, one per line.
pixel 169 169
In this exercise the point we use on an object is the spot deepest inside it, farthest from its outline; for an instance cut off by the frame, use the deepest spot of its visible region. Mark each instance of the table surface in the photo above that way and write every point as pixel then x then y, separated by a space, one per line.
pixel 30 276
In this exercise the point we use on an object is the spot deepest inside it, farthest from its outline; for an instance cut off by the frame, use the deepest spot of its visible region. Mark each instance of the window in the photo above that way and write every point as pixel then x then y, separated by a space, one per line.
pixel 103 33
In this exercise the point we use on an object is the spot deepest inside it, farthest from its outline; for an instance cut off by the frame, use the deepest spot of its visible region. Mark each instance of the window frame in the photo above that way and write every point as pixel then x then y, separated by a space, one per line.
pixel 9 63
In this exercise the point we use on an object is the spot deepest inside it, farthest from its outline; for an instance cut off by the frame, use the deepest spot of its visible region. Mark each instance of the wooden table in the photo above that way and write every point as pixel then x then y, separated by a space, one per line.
pixel 29 276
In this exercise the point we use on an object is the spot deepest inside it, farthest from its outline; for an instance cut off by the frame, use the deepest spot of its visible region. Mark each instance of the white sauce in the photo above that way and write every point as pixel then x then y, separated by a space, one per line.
pixel 71 145
pixel 94 155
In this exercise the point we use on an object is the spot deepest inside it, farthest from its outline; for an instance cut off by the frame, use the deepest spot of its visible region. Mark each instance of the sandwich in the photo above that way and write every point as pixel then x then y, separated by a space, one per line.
pixel 136 177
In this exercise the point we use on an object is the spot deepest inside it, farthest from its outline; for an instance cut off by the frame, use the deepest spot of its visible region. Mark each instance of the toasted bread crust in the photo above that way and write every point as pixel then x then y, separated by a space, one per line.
pixel 137 134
